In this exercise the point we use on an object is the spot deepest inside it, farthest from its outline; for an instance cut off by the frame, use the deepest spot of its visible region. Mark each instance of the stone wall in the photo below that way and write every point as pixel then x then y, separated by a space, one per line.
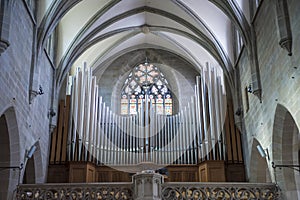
pixel 280 83
pixel 32 122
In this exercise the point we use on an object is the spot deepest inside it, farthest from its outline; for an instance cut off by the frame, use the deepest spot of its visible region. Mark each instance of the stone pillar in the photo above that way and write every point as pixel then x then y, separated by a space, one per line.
pixel 5 14
pixel 147 185
pixel 284 26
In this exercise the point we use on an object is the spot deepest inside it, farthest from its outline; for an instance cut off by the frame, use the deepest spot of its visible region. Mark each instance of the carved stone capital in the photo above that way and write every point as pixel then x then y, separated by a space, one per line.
pixel 32 95
pixel 258 94
pixel 4 44
pixel 286 43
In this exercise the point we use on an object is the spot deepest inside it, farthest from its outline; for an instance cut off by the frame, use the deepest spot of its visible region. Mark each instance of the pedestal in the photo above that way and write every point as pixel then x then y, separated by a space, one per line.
pixel 147 185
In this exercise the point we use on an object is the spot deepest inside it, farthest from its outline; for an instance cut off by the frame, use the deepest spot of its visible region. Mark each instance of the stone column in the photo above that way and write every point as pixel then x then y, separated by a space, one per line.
pixel 5 14
pixel 147 185
pixel 284 26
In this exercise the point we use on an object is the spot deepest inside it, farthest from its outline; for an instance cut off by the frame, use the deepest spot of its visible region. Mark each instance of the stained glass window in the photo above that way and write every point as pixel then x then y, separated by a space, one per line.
pixel 168 104
pixel 124 105
pixel 146 81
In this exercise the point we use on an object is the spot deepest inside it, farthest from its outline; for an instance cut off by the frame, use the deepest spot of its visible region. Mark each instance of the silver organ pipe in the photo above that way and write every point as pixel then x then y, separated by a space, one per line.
pixel 211 135
pixel 109 146
pixel 98 131
pixel 123 140
pixel 80 111
pixel 146 126
pixel 158 139
pixel 194 131
pixel 73 119
pixel 86 121
pixel 204 111
pixel 159 159
pixel 136 140
pixel 93 117
pixel 117 139
pixel 96 124
pixel 69 142
pixel 178 141
pixel 167 145
pixel 222 106
pixel 199 119
pixel 217 119
pixel 112 142
pixel 99 135
pixel 165 136
pixel 185 136
pixel 130 143
pixel 102 132
pixel 181 133
pixel 173 145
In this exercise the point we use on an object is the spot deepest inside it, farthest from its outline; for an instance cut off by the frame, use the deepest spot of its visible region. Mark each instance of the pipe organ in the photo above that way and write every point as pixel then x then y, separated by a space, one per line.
pixel 202 131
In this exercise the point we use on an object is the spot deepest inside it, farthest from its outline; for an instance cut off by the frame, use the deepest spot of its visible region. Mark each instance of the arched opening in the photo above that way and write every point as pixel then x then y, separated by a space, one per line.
pixel 4 157
pixel 29 174
pixel 259 171
pixel 9 157
pixel 286 152
pixel 33 172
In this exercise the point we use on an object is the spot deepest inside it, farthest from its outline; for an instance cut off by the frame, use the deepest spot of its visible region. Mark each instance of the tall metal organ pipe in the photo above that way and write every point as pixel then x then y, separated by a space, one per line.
pixel 98 135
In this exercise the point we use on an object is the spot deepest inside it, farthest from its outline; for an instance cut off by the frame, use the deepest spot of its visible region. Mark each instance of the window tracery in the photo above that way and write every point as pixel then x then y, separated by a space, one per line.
pixel 146 81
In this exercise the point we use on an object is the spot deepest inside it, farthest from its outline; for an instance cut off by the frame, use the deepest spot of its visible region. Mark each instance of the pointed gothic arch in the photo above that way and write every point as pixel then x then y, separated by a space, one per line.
pixel 9 157
pixel 259 174
pixel 286 151
pixel 33 173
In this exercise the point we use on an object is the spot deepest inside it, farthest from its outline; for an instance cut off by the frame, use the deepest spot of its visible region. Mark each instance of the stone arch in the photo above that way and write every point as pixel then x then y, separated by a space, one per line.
pixel 10 153
pixel 285 151
pixel 33 167
pixel 38 164
pixel 259 171
pixel 29 172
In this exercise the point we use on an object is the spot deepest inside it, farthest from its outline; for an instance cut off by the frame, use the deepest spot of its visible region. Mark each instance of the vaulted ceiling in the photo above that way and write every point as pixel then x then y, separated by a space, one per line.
pixel 99 31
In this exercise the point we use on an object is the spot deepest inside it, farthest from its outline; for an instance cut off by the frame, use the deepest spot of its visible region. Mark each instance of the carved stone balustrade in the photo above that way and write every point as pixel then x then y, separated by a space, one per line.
pixel 75 191
pixel 207 191
pixel 195 191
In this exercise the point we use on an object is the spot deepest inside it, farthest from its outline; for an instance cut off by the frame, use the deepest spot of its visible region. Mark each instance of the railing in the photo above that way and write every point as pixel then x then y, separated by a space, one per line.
pixel 170 191
pixel 75 191
pixel 215 191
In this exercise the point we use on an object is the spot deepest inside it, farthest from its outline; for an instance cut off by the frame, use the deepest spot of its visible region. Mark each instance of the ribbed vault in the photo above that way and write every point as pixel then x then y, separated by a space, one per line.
pixel 97 32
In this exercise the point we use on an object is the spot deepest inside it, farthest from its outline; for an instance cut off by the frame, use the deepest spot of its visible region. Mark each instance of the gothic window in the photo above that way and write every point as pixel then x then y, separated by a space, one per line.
pixel 146 82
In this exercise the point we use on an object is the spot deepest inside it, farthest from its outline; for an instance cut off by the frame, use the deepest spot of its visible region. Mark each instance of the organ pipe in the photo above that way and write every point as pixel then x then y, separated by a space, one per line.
pixel 99 135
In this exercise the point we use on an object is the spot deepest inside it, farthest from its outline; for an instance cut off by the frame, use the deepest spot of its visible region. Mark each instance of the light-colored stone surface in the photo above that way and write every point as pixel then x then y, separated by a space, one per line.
pixel 280 78
pixel 31 121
